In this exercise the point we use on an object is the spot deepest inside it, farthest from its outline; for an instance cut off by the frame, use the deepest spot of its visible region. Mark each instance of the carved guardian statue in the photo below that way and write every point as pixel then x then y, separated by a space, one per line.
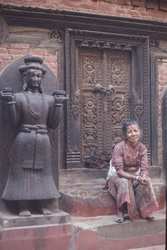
pixel 30 115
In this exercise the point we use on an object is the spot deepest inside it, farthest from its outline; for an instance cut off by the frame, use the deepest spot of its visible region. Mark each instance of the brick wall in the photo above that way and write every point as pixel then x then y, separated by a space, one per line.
pixel 11 52
pixel 162 81
pixel 142 9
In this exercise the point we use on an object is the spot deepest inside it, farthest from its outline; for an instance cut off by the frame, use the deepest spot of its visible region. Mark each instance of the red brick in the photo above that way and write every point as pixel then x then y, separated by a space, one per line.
pixel 20 46
pixel 52 52
pixel 18 51
pixel 14 2
pixel 5 45
pixel 50 59
pixel 17 56
pixel 3 50
pixel 38 52
pixel 5 56
pixel 52 65
pixel 40 1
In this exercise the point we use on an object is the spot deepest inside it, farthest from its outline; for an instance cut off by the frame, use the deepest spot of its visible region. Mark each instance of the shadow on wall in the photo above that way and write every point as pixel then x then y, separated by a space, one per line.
pixel 164 132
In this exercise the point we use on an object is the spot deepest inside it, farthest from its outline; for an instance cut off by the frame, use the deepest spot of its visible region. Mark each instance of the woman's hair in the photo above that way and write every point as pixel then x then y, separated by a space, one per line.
pixel 126 124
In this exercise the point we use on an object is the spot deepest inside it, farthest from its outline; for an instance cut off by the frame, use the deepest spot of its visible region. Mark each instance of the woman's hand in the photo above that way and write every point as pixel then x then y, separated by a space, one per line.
pixel 143 180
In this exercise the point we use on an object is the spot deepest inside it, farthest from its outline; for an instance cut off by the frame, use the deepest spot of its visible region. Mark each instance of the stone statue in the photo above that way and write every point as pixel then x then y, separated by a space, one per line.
pixel 30 115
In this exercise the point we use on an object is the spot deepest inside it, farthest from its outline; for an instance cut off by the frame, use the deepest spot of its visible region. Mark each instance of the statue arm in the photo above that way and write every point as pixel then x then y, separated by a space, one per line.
pixel 9 98
pixel 55 115
pixel 59 98
pixel 12 116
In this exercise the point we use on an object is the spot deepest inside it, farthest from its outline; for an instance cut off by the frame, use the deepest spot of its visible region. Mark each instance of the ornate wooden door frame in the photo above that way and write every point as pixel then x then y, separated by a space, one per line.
pixel 157 137
pixel 139 82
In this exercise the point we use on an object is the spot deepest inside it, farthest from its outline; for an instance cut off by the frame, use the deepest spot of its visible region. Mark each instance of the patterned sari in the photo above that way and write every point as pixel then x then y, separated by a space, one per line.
pixel 140 199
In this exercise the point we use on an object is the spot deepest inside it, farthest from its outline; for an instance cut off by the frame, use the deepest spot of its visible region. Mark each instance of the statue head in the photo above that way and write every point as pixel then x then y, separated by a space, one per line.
pixel 32 72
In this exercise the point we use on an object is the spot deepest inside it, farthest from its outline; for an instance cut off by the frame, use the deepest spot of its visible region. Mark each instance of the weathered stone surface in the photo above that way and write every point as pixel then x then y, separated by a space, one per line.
pixel 102 204
pixel 163 6
pixel 48 237
pixel 86 197
pixel 103 233
pixel 7 220
pixel 92 233
pixel 151 4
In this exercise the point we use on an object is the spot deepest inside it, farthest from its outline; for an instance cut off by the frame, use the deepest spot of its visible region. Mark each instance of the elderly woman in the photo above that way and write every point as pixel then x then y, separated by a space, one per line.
pixel 128 177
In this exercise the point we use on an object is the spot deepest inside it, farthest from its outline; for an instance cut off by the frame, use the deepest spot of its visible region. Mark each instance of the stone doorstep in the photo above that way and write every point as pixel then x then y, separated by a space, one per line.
pixel 83 233
pixel 109 235
pixel 85 174
pixel 89 199
pixel 161 247
pixel 106 227
pixel 82 191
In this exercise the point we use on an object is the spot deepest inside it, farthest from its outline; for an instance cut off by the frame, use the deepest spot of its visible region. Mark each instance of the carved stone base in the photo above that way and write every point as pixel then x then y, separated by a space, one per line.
pixel 36 232
pixel 9 221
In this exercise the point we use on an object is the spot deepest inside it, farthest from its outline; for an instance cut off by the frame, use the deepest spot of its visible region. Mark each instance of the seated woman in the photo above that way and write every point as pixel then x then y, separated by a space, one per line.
pixel 128 177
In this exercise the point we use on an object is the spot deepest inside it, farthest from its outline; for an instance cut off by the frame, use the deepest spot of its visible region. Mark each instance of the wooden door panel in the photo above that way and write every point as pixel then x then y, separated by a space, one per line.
pixel 104 82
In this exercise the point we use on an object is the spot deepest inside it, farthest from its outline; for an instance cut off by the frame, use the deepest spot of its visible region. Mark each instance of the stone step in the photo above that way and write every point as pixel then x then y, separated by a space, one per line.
pixel 84 174
pixel 103 232
pixel 160 247
pixel 82 193
pixel 86 233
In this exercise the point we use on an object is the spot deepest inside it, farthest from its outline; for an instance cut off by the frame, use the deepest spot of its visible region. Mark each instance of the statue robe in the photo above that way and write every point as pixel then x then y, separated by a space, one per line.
pixel 30 176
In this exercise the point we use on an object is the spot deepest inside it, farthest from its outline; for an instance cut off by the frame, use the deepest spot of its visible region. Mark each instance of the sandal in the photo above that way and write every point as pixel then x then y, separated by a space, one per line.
pixel 150 217
pixel 119 219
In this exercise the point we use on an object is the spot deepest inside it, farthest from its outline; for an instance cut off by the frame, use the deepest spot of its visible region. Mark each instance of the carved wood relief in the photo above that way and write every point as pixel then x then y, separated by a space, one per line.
pixel 90 74
pixel 107 80
pixel 102 111
pixel 120 105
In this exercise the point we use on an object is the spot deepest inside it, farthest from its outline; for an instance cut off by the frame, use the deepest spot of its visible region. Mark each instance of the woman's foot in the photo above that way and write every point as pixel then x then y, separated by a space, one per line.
pixel 150 217
pixel 119 218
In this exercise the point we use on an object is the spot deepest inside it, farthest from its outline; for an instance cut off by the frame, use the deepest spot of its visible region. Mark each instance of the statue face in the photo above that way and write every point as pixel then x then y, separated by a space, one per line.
pixel 33 78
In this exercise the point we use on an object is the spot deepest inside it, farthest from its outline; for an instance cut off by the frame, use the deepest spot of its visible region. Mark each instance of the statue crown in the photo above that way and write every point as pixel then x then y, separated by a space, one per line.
pixel 32 62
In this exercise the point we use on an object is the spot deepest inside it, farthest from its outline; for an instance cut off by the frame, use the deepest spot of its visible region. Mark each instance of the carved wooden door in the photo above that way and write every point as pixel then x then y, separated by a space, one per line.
pixel 104 85
pixel 107 83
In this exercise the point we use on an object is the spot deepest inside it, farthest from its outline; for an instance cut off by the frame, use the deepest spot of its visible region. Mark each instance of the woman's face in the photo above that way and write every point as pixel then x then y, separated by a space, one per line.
pixel 132 133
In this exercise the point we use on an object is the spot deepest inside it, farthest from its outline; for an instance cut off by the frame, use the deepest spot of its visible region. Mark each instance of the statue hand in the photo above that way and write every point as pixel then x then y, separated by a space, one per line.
pixel 7 95
pixel 60 99
pixel 60 96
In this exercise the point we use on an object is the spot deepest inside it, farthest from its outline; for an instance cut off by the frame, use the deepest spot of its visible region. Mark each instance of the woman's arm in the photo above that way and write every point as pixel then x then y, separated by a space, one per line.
pixel 144 170
pixel 122 173
pixel 118 162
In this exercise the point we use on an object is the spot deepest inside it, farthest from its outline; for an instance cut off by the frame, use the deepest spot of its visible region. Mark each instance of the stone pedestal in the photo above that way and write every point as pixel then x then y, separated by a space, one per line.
pixel 37 232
